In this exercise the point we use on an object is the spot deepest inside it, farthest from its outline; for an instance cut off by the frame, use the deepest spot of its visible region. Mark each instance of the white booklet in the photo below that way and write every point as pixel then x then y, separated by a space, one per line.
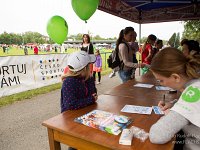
pixel 143 85
pixel 137 109
pixel 162 88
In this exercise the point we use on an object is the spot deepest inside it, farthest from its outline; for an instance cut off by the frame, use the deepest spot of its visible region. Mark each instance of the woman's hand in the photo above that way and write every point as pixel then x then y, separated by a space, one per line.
pixel 164 106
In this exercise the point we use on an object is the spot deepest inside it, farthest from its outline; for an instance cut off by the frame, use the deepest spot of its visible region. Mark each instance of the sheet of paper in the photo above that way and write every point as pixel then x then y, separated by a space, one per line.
pixel 157 110
pixel 162 88
pixel 137 109
pixel 143 85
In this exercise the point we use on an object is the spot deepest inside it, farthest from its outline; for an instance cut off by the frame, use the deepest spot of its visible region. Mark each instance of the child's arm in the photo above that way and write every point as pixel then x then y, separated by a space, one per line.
pixel 100 61
pixel 91 86
pixel 149 57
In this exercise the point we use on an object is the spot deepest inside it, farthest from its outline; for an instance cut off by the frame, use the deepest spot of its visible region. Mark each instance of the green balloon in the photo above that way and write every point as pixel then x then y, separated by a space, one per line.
pixel 84 8
pixel 57 29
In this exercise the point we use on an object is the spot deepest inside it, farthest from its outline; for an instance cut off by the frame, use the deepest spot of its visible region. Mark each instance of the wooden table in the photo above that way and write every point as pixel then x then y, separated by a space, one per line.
pixel 142 94
pixel 63 129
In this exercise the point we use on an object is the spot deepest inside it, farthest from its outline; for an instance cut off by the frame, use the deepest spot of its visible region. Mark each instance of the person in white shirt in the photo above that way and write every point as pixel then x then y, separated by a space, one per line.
pixel 172 69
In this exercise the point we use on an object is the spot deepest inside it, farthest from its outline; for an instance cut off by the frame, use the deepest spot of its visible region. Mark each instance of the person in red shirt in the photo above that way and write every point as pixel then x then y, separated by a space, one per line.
pixel 35 50
pixel 147 50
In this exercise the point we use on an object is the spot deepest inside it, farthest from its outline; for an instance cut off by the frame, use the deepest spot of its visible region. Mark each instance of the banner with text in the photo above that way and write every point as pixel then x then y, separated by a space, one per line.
pixel 22 73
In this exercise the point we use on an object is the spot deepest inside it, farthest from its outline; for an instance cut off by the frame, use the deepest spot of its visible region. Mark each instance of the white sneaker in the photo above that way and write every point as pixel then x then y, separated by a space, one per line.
pixel 98 82
pixel 112 75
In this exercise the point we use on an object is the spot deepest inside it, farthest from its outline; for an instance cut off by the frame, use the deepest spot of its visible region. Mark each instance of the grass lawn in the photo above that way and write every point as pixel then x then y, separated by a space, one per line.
pixel 14 51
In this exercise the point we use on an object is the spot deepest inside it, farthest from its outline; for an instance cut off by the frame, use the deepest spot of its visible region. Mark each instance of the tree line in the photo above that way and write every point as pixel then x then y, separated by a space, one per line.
pixel 35 37
pixel 24 38
pixel 191 31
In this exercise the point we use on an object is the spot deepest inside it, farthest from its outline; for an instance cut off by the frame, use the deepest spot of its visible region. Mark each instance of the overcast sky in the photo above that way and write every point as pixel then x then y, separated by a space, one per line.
pixel 32 15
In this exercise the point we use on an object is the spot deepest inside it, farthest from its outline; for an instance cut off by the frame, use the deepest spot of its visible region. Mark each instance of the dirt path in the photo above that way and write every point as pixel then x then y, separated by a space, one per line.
pixel 20 123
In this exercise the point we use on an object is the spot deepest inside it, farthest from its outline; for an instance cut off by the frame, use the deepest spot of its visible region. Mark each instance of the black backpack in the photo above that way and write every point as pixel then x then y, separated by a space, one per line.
pixel 113 60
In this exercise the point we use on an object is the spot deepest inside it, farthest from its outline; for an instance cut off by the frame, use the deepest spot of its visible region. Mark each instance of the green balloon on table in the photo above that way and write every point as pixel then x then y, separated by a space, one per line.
pixel 57 29
pixel 84 8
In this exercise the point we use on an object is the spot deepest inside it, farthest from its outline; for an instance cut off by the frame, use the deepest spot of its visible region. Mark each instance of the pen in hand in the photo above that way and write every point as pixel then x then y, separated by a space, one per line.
pixel 165 105
pixel 164 98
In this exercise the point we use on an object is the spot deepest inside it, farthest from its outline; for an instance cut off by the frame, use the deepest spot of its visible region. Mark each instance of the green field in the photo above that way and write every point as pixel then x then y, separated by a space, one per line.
pixel 14 51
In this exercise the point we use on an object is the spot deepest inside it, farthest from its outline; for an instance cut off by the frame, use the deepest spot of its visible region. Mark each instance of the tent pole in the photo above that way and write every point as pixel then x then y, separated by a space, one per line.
pixel 139 45
pixel 139 33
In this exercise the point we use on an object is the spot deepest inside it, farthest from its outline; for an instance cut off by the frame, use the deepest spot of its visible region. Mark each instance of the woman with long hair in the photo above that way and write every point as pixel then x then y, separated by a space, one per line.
pixel 172 69
pixel 126 54
pixel 86 45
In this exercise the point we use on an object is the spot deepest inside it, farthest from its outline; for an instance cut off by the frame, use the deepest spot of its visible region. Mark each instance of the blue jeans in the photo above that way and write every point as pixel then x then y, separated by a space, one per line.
pixel 125 75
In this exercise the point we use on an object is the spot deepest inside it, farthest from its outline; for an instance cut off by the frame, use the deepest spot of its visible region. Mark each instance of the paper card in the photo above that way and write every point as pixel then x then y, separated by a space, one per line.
pixel 143 85
pixel 136 109
pixel 162 88
pixel 157 110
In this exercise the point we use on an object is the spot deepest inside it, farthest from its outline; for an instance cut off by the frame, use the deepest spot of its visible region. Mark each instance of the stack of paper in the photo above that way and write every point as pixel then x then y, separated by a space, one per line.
pixel 143 85
pixel 137 109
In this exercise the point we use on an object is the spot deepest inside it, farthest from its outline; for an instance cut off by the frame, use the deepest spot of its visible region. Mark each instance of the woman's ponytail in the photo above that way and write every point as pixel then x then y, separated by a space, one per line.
pixel 193 66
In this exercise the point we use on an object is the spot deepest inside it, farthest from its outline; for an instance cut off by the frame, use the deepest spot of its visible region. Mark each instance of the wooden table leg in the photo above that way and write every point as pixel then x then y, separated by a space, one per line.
pixel 54 145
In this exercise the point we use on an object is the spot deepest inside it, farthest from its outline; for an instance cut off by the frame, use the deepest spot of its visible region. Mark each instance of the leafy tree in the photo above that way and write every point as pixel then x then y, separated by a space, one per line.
pixel 112 38
pixel 79 36
pixel 49 40
pixel 177 40
pixel 76 37
pixel 192 30
pixel 97 37
pixel 5 38
pixel 93 37
pixel 33 37
pixel 27 37
pixel 172 40
pixel 143 40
